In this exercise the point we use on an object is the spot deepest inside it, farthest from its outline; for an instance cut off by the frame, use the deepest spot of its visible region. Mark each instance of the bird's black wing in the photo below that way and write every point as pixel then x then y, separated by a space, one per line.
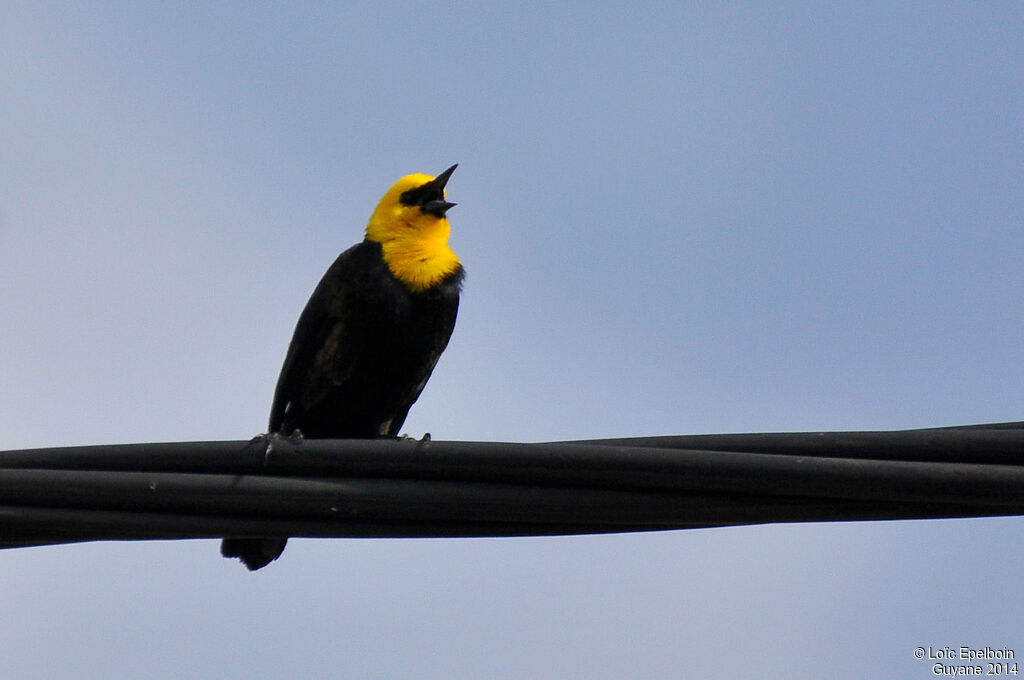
pixel 316 359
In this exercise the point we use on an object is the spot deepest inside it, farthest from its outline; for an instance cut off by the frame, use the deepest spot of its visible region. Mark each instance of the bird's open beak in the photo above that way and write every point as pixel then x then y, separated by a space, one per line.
pixel 438 208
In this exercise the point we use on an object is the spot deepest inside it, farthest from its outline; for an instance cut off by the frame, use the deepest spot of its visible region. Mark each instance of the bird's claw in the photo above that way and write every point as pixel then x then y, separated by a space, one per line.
pixel 410 438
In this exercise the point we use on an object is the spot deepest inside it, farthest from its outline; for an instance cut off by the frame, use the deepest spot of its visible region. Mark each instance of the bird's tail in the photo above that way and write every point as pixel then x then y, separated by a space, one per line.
pixel 255 553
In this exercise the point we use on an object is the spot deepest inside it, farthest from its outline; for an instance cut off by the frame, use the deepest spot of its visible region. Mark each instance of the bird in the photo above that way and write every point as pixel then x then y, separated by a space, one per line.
pixel 370 334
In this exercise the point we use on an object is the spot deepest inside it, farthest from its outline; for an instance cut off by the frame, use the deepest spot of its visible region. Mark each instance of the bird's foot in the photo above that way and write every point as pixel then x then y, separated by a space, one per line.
pixel 407 437
pixel 421 443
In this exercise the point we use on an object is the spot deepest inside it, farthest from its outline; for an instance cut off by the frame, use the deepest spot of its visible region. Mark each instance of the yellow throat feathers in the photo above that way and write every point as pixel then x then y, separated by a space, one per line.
pixel 414 243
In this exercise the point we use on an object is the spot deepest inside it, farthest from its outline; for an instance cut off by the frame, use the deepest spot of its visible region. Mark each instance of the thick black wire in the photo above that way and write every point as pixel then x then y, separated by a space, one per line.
pixel 331 488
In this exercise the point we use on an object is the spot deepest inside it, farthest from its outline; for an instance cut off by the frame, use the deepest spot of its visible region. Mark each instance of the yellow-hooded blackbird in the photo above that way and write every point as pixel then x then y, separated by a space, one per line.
pixel 371 333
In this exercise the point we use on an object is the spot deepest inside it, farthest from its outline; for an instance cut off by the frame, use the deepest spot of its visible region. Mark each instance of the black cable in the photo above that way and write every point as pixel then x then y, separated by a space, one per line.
pixel 365 488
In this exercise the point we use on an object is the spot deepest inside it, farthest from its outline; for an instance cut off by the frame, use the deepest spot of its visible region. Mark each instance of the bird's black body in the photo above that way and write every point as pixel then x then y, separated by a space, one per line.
pixel 371 333
pixel 363 349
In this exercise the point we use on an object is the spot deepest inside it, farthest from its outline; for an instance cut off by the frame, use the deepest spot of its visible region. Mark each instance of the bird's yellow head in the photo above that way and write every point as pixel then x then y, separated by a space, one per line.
pixel 410 225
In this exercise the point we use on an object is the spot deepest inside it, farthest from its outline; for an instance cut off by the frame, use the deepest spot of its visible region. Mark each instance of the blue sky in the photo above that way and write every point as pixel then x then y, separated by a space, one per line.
pixel 710 217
